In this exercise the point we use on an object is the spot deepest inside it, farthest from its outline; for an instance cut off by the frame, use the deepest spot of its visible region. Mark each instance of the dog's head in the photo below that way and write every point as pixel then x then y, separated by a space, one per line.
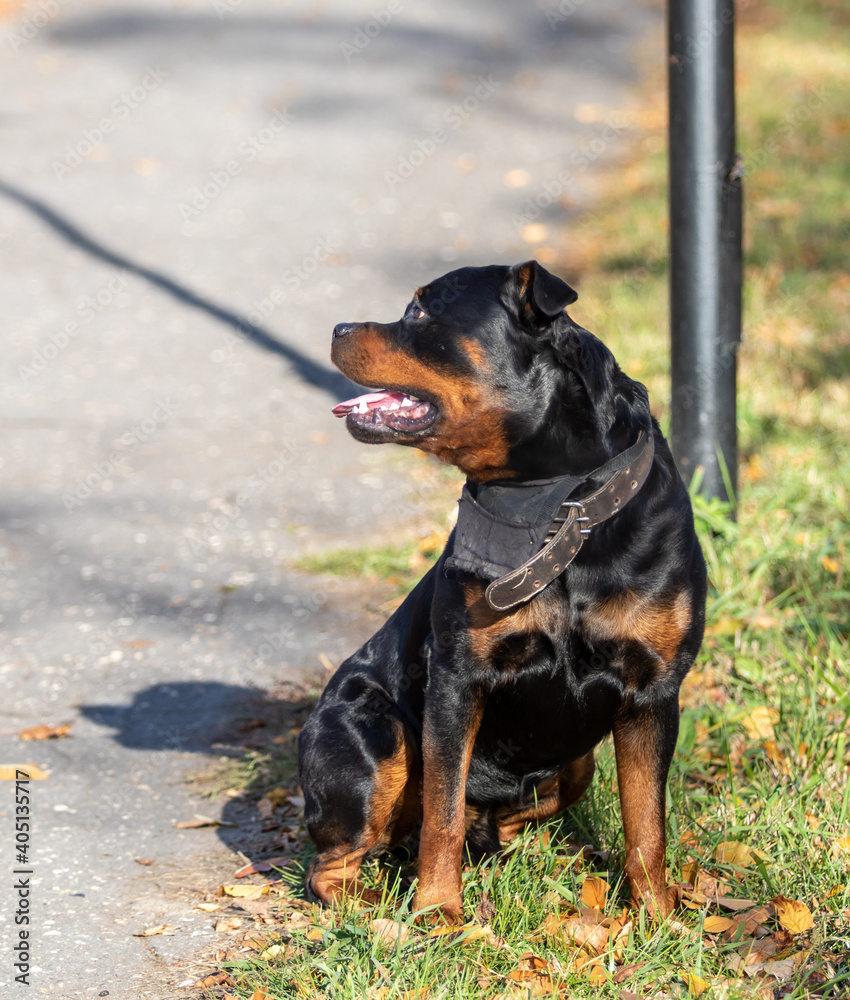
pixel 486 370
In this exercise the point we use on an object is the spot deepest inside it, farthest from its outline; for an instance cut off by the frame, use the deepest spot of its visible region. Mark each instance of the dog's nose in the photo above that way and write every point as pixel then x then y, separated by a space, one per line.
pixel 343 329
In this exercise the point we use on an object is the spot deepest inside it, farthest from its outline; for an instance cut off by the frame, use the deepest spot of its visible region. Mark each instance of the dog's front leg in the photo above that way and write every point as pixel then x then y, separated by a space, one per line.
pixel 453 709
pixel 644 743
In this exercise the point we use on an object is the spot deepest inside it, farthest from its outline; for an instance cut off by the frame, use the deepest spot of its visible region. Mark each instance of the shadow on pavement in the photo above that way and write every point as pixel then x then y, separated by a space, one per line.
pixel 185 716
pixel 309 371
pixel 256 729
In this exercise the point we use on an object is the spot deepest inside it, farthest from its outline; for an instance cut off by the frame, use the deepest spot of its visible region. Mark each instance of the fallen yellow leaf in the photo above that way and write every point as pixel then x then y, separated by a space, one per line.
pixel 389 931
pixel 793 914
pixel 724 626
pixel 733 852
pixel 272 951
pixel 841 846
pixel 594 892
pixel 696 985
pixel 44 732
pixel 21 772
pixel 159 929
pixel 243 891
pixel 228 924
pixel 760 722
pixel 208 907
pixel 314 934
pixel 717 925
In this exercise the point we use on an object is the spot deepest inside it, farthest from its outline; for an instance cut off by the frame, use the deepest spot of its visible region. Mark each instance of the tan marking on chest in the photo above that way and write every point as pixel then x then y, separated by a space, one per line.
pixel 660 625
pixel 488 627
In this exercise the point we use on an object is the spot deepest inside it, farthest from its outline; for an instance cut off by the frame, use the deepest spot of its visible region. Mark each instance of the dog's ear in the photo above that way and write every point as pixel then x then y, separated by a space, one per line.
pixel 539 295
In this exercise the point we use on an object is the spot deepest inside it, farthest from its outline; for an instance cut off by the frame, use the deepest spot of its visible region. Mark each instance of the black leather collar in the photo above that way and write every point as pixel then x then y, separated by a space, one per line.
pixel 523 535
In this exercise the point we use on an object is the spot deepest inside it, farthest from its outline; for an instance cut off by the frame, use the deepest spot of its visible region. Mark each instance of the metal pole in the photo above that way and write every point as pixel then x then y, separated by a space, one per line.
pixel 705 241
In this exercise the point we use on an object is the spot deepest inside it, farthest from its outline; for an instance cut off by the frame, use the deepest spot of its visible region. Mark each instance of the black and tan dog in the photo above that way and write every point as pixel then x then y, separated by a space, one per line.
pixel 568 603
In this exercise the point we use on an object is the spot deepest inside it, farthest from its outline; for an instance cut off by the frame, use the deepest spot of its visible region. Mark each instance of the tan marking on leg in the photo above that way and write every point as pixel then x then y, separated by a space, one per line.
pixel 553 796
pixel 394 806
pixel 394 810
pixel 642 792
pixel 444 824
pixel 336 873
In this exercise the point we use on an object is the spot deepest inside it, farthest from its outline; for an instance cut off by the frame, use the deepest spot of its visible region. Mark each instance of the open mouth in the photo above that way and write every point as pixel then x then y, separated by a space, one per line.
pixel 397 411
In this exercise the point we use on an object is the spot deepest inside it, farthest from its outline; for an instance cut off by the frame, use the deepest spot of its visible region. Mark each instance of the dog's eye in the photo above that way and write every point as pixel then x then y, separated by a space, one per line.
pixel 417 312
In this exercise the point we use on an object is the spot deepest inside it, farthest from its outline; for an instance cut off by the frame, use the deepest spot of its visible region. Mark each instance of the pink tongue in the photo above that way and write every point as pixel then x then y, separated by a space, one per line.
pixel 370 399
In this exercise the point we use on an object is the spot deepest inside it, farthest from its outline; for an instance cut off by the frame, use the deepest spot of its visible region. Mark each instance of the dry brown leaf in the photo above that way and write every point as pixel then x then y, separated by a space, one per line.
pixel 716 925
pixel 44 732
pixel 594 971
pixel 696 984
pixel 618 935
pixel 780 970
pixel 260 994
pixel 531 965
pixel 730 903
pixel 228 924
pixel 215 979
pixel 389 931
pixel 594 892
pixel 690 872
pixel 21 772
pixel 627 971
pixel 486 910
pixel 159 929
pixel 752 922
pixel 760 722
pixel 208 907
pixel 144 861
pixel 315 934
pixel 261 866
pixel 586 933
pixel 793 914
pixel 243 891
pixel 196 823
pixel 758 950
pixel 265 807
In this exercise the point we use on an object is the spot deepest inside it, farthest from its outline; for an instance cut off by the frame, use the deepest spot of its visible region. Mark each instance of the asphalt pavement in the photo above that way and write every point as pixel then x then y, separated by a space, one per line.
pixel 192 194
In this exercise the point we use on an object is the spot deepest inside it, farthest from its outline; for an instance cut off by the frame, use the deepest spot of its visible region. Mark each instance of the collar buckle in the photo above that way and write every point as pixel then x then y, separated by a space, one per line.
pixel 581 517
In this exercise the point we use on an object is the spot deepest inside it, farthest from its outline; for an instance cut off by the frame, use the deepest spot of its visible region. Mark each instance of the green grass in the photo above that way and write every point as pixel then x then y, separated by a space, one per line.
pixel 776 649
